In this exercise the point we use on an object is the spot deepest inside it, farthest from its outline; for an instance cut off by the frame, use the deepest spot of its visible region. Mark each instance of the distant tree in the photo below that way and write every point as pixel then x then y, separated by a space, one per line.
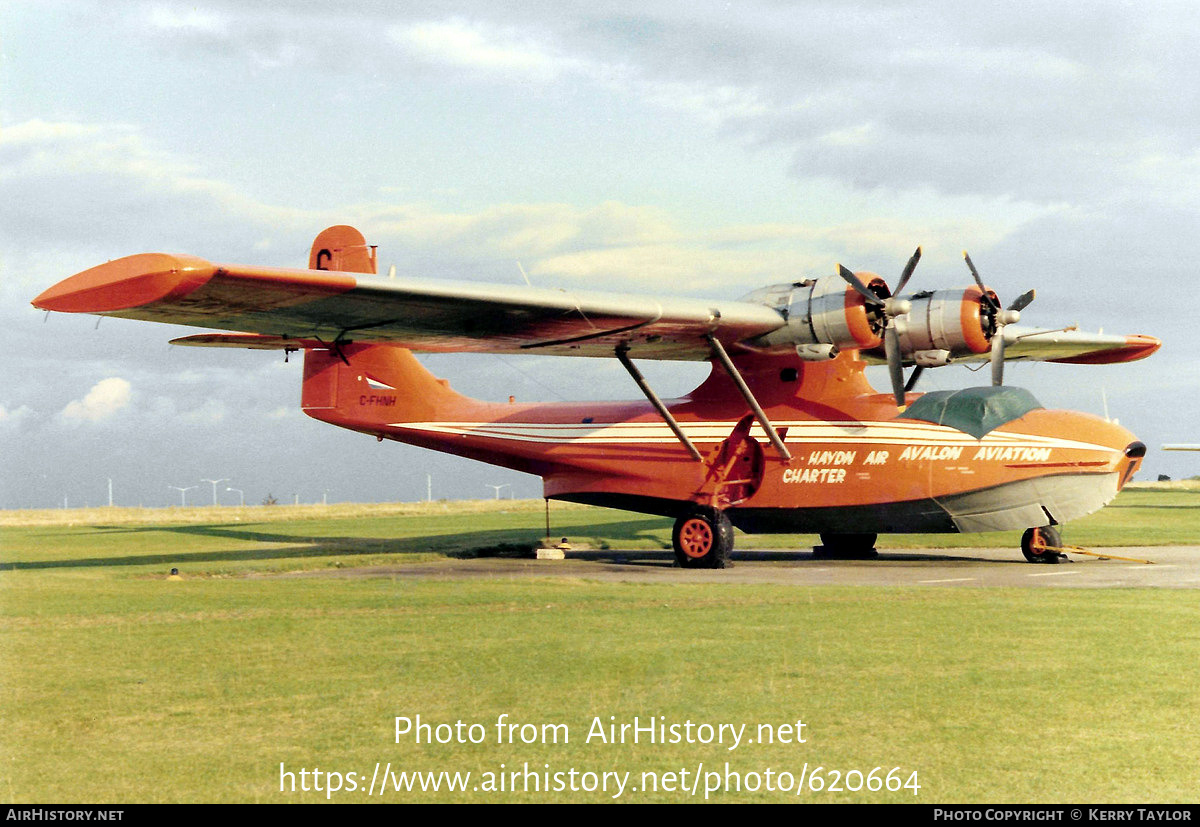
pixel 270 500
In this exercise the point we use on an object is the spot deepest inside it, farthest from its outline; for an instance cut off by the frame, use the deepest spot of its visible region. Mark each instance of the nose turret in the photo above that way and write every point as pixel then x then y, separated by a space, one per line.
pixel 1134 453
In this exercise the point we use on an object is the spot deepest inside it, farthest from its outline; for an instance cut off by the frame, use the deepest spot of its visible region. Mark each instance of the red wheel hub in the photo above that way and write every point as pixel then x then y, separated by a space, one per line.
pixel 1037 543
pixel 696 538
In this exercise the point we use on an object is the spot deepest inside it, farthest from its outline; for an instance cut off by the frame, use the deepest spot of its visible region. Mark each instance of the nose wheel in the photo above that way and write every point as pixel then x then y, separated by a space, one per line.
pixel 703 539
pixel 1041 545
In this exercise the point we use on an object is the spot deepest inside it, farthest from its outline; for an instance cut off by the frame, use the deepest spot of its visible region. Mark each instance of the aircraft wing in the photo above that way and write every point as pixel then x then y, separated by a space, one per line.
pixel 313 306
pixel 1034 344
pixel 1078 347
pixel 279 308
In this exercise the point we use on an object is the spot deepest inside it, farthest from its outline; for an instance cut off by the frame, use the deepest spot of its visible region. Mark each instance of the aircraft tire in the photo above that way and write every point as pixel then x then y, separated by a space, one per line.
pixel 847 546
pixel 1036 544
pixel 702 539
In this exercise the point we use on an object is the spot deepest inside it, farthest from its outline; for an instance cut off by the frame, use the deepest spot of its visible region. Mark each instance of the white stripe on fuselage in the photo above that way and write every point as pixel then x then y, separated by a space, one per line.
pixel 802 432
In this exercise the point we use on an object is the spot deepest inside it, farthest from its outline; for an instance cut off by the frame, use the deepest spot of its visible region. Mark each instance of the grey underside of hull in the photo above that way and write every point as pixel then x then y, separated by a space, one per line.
pixel 1012 506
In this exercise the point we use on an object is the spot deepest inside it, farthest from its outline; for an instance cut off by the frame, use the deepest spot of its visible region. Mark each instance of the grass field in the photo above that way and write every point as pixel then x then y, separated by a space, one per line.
pixel 122 686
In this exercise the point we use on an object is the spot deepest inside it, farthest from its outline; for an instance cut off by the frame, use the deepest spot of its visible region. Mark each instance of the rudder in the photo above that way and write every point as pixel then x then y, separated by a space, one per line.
pixel 342 248
pixel 360 385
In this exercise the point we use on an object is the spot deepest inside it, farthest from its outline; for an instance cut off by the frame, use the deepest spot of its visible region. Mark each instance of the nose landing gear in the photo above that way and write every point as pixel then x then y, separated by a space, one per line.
pixel 1042 545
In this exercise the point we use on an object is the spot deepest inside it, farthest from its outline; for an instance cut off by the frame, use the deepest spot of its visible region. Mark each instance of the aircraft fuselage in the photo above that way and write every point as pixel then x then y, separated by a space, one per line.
pixel 856 465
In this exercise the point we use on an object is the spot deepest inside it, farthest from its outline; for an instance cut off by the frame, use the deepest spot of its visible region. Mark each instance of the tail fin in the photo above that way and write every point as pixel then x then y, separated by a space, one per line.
pixel 342 248
pixel 364 386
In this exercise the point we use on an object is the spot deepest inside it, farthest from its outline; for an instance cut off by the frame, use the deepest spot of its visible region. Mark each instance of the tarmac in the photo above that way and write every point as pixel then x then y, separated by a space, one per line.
pixel 1172 567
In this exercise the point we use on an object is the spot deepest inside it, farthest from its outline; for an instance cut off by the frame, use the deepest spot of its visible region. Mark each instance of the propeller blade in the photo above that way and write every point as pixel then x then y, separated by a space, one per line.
pixel 1022 301
pixel 908 271
pixel 979 281
pixel 974 272
pixel 855 282
pixel 891 348
pixel 997 357
pixel 913 377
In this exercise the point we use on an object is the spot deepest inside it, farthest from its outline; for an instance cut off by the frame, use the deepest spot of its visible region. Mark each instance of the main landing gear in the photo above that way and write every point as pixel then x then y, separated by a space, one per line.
pixel 1041 545
pixel 703 539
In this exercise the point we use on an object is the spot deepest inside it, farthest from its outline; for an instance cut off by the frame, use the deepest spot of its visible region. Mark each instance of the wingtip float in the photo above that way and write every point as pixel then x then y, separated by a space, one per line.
pixel 127 282
pixel 785 435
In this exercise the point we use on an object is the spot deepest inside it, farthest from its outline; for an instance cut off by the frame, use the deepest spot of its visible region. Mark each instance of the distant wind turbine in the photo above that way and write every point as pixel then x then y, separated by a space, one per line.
pixel 214 485
pixel 183 492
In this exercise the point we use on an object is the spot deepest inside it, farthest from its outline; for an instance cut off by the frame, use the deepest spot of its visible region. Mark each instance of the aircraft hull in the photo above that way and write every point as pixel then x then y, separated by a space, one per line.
pixel 857 465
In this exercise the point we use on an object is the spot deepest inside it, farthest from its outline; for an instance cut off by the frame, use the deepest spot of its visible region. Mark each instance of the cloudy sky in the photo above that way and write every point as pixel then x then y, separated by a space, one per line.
pixel 681 147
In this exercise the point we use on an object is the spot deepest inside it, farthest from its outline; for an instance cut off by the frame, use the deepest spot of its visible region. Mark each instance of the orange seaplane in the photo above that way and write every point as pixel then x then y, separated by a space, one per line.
pixel 785 434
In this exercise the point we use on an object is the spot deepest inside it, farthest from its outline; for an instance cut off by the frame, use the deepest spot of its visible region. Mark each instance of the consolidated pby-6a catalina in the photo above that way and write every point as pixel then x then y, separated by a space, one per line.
pixel 785 435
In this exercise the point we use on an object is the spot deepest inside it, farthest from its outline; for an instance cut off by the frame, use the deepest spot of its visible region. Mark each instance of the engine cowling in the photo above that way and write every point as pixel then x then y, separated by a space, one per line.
pixel 823 311
pixel 956 321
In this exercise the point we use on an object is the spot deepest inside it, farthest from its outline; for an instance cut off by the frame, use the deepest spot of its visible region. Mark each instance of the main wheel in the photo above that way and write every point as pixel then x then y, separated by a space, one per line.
pixel 703 538
pixel 1040 545
pixel 847 546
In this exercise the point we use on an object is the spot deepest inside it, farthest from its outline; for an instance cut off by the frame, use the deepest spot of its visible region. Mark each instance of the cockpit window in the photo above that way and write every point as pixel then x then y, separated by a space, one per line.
pixel 975 411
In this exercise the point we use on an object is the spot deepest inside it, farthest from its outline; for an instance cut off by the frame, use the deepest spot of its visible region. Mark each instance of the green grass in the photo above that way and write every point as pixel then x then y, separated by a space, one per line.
pixel 118 685
pixel 226 541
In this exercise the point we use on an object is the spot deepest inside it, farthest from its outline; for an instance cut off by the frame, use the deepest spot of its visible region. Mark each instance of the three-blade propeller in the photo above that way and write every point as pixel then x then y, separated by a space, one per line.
pixel 997 319
pixel 890 308
pixel 994 318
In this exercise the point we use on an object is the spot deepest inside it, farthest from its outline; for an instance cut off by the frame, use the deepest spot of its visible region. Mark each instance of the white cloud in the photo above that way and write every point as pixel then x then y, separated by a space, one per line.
pixel 189 20
pixel 67 183
pixel 211 412
pixel 14 418
pixel 538 56
pixel 1050 104
pixel 614 244
pixel 106 398
pixel 484 47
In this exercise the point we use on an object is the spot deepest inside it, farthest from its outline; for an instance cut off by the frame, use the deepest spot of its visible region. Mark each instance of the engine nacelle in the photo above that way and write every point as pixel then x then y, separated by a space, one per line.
pixel 954 321
pixel 824 311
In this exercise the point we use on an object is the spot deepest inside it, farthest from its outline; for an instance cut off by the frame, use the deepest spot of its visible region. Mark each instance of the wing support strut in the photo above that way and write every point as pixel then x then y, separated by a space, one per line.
pixel 622 353
pixel 759 414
